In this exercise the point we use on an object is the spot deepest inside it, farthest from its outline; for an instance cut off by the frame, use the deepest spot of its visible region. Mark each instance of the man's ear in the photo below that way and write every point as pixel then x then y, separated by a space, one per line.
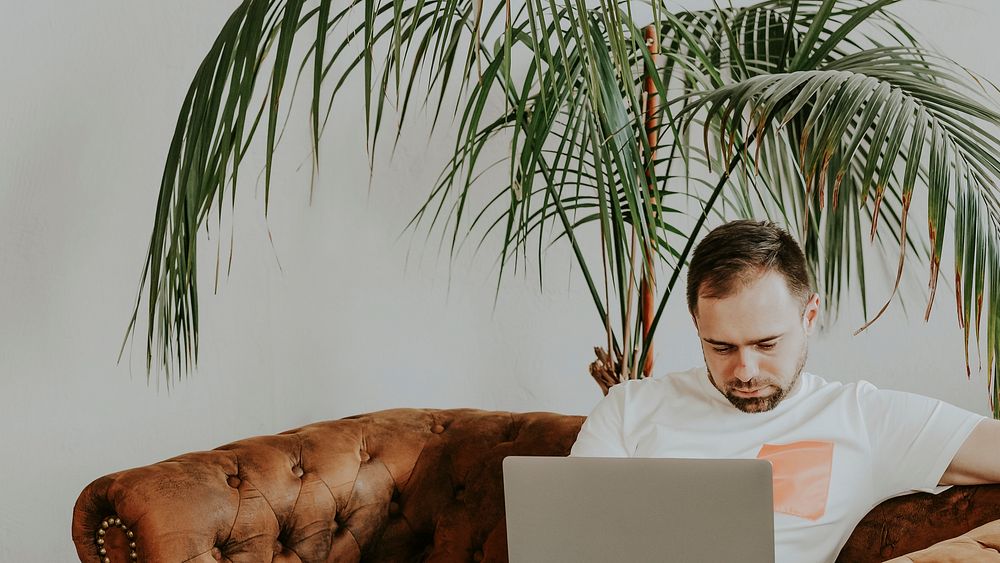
pixel 811 314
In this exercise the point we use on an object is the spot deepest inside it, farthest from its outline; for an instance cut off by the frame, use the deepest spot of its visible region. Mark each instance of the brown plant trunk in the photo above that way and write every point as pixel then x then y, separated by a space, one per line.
pixel 647 288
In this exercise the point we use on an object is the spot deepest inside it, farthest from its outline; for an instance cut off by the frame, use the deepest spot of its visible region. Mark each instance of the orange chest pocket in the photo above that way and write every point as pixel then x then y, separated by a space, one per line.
pixel 801 475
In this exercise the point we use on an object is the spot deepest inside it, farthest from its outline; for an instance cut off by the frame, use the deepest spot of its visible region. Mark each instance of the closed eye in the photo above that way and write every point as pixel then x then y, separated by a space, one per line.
pixel 766 345
pixel 722 349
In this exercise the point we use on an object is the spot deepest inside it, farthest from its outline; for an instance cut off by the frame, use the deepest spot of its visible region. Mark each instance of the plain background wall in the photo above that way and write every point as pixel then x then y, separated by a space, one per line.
pixel 88 99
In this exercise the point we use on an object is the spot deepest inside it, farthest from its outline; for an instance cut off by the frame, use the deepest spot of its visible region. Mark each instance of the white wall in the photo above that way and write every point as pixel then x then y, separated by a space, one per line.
pixel 88 98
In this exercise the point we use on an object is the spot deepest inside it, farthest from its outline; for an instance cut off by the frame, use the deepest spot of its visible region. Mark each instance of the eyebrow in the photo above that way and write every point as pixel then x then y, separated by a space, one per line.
pixel 758 341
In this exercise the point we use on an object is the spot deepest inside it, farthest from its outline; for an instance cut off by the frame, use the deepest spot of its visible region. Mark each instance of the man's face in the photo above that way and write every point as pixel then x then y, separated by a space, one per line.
pixel 755 341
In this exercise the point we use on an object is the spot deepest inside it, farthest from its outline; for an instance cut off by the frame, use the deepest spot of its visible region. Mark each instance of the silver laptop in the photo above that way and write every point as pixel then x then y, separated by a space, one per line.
pixel 590 510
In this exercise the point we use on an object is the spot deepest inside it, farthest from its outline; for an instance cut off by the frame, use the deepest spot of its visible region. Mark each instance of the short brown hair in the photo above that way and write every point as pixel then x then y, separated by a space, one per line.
pixel 738 252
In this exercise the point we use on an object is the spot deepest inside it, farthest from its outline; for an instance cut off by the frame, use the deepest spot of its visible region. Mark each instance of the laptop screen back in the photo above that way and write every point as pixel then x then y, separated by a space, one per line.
pixel 583 510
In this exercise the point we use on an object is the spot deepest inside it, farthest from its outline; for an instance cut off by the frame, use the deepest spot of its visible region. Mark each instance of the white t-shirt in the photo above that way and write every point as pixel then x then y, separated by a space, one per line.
pixel 837 450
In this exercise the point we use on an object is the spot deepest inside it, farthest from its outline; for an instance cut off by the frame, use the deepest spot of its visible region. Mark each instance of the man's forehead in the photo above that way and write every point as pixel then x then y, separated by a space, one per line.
pixel 746 320
pixel 744 330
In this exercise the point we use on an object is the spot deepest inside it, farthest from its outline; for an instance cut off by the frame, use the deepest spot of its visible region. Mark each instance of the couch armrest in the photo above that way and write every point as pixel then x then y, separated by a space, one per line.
pixel 916 521
pixel 245 501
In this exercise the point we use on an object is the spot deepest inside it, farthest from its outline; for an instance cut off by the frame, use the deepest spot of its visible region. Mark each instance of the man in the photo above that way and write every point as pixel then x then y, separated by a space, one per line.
pixel 836 450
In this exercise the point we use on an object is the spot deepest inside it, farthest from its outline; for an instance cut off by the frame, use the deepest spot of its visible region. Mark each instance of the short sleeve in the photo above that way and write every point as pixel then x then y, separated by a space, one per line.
pixel 913 438
pixel 603 433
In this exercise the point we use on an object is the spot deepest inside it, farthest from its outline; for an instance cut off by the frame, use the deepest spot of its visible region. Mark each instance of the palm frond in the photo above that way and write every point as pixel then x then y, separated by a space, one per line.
pixel 824 114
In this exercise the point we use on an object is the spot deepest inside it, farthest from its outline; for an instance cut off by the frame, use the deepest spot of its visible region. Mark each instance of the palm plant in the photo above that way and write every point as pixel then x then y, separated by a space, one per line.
pixel 824 115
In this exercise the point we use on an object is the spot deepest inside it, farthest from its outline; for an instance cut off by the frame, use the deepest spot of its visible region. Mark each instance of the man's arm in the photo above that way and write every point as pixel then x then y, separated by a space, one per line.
pixel 978 460
pixel 603 433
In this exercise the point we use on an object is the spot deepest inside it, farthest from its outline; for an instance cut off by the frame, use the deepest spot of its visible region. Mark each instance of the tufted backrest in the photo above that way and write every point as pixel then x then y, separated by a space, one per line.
pixel 397 485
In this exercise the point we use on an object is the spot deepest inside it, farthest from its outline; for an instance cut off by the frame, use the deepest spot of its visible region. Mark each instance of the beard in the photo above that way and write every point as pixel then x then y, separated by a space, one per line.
pixel 764 403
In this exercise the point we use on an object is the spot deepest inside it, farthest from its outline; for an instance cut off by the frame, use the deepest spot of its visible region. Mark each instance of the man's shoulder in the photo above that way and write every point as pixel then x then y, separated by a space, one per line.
pixel 689 381
pixel 672 383
pixel 813 381
pixel 815 386
pixel 690 374
pixel 654 393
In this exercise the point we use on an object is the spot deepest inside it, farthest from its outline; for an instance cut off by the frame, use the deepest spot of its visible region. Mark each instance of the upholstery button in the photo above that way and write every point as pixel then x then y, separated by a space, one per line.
pixel 278 548
pixel 477 556
pixel 217 553
pixel 437 429
pixel 365 456
pixel 233 481
pixel 393 508
pixel 298 471
pixel 459 493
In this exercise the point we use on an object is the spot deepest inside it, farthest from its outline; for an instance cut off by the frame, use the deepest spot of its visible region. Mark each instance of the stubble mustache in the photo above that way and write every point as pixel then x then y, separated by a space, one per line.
pixel 752 385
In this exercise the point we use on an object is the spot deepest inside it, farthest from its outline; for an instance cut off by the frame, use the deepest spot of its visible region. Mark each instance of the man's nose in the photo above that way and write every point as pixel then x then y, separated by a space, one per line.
pixel 747 367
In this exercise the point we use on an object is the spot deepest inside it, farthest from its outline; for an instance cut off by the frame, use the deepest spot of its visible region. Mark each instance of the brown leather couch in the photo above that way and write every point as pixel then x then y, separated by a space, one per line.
pixel 397 485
